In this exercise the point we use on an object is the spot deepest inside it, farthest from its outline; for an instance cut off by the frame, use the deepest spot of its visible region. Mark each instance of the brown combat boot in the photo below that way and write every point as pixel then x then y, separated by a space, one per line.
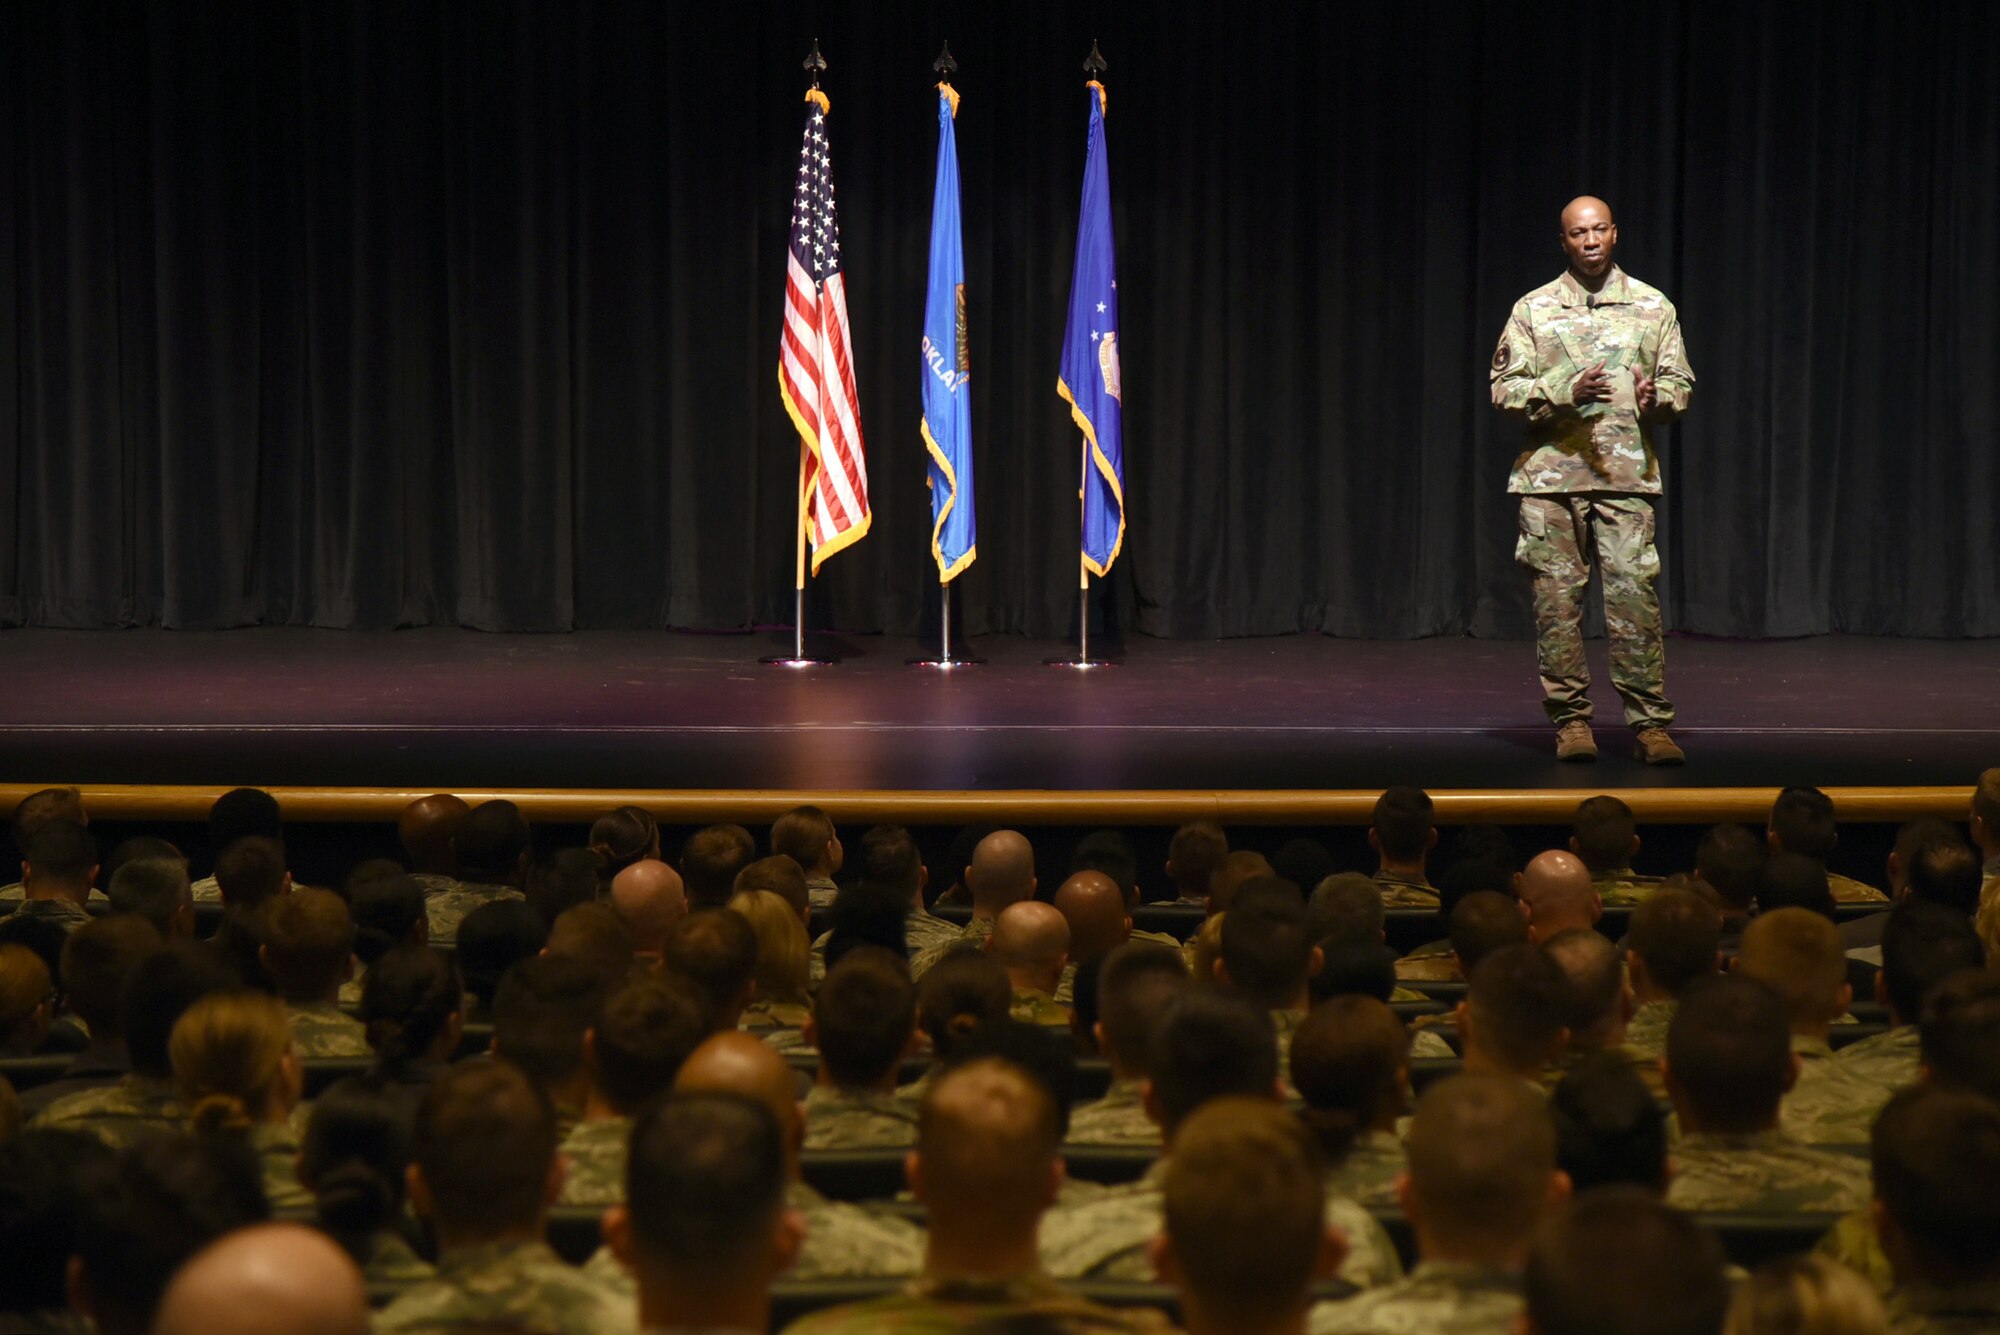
pixel 1656 748
pixel 1575 742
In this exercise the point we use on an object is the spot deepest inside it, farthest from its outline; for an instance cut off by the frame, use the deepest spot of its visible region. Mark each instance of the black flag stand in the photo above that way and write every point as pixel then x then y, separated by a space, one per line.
pixel 799 658
pixel 1094 66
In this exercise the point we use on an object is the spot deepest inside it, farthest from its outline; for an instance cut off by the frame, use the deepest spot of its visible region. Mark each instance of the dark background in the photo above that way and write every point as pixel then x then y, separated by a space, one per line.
pixel 364 315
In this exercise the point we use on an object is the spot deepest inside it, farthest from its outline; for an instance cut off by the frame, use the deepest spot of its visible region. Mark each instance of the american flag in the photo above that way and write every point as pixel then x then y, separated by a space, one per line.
pixel 816 362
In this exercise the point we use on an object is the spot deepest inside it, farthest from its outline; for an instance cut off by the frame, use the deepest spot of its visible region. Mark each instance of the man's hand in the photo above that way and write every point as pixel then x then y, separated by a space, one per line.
pixel 1644 392
pixel 1593 386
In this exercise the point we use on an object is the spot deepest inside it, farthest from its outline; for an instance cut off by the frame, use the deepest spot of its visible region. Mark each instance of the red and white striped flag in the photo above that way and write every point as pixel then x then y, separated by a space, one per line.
pixel 816 362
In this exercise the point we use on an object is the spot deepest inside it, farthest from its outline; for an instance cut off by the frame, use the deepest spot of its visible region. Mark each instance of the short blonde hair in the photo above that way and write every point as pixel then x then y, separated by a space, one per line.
pixel 1804 1295
pixel 784 956
pixel 1799 955
pixel 1243 1205
pixel 228 1052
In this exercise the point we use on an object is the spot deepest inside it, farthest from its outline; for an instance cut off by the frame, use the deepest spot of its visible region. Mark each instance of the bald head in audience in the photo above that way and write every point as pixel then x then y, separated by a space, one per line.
pixel 426 828
pixel 1557 895
pixel 1002 872
pixel 1031 942
pixel 267 1277
pixel 1094 907
pixel 650 898
pixel 737 1063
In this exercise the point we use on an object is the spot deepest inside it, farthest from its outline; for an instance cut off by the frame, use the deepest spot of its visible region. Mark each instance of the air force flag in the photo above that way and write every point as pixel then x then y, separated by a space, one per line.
pixel 947 420
pixel 1089 377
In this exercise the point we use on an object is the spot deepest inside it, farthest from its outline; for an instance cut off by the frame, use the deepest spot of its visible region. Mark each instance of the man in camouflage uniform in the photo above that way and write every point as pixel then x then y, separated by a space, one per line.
pixel 1600 1006
pixel 491 843
pixel 1728 1062
pixel 1030 940
pixel 1937 1207
pixel 1402 834
pixel 1268 958
pixel 1606 837
pixel 1473 1138
pixel 308 952
pixel 864 1026
pixel 57 866
pixel 1673 941
pixel 484 1160
pixel 1923 945
pixel 1350 1063
pixel 1590 363
pixel 631 1055
pixel 1619 1260
pixel 1136 983
pixel 1796 953
pixel 1002 872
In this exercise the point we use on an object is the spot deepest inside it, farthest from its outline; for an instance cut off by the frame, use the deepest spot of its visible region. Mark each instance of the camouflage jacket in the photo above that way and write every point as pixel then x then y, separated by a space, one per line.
pixel 119 1114
pixel 1765 1172
pixel 64 913
pixel 1625 887
pixel 447 908
pixel 780 1024
pixel 935 1305
pixel 1406 892
pixel 838 1119
pixel 1935 1309
pixel 277 1147
pixel 205 891
pixel 1434 962
pixel 392 1262
pixel 1437 1298
pixel 820 891
pixel 324 1030
pixel 1853 1243
pixel 1830 1105
pixel 1031 1005
pixel 1885 1063
pixel 1285 1023
pixel 1119 1118
pixel 596 1153
pixel 1648 1067
pixel 1431 1043
pixel 1553 334
pixel 938 944
pixel 1369 1171
pixel 1847 890
pixel 514 1286
pixel 1646 1032
pixel 1105 1236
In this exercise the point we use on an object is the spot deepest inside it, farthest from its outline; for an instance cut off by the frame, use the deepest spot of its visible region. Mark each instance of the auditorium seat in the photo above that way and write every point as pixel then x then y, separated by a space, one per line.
pixel 854 1175
pixel 1424 1070
pixel 576 1231
pixel 1109 1164
pixel 1752 1239
pixel 320 1072
pixel 43 1068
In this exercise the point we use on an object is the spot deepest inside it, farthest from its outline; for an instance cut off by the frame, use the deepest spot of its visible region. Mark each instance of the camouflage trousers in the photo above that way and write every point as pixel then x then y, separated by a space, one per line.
pixel 1559 535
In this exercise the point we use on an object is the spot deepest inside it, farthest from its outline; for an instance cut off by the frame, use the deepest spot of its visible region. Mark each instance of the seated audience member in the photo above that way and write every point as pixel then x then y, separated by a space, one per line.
pixel 782 876
pixel 1922 945
pixel 630 1057
pixel 49 1181
pixel 27 1001
pixel 864 1025
pixel 251 876
pixel 708 1229
pixel 366 870
pixel 1804 1295
pixel 155 889
pixel 594 936
pixel 807 836
pixel 492 939
pixel 1402 835
pixel 1730 861
pixel 1267 956
pixel 1207 1044
pixel 1094 907
pixel 388 911
pixel 1244 1236
pixel 1353 970
pixel 146 1101
pixel 44 939
pixel 428 830
pixel 623 836
pixel 650 898
pixel 1303 862
pixel 1914 839
pixel 1111 854
pixel 1791 881
pixel 1345 909
pixel 957 856
pixel 540 1014
pixel 1193 854
pixel 413 1016
pixel 485 1172
pixel 1960 1032
pixel 1477 925
pixel 1135 984
pixel 565 879
pixel 30 814
pixel 1606 837
pixel 1482 1175
pixel 1619 1261
pixel 1558 895
pixel 354 1160
pixel 1001 874
pixel 964 993
pixel 491 845
pixel 1610 1129
pixel 891 872
pixel 58 864
pixel 1728 1064
pixel 240 813
pixel 710 861
pixel 1935 1153
pixel 1031 942
pixel 238 1070
pixel 263 1278
pixel 1674 939
pixel 1802 823
pixel 986 1168
pixel 784 965
pixel 99 961
pixel 1512 1019
pixel 1236 869
pixel 1350 1063
pixel 1797 954
pixel 716 950
pixel 1600 1005
pixel 308 953
pixel 170 1196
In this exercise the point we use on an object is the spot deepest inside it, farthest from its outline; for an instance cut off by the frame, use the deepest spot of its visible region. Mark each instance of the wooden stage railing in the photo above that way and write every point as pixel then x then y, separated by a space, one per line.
pixel 1532 806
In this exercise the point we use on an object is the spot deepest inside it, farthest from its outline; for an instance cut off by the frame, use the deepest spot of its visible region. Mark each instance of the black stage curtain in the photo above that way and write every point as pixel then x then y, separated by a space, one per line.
pixel 394 313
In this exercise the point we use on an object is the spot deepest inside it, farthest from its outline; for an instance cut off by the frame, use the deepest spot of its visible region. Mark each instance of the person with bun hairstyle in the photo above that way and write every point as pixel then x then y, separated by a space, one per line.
pixel 388 911
pixel 956 997
pixel 413 1010
pixel 1350 1062
pixel 354 1160
pixel 625 836
pixel 781 1004
pixel 239 1073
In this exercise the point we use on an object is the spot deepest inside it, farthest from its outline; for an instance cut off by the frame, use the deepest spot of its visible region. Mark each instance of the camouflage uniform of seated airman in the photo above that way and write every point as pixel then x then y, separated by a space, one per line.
pixel 1106 1237
pixel 1406 892
pixel 1625 888
pixel 1648 1067
pixel 446 909
pixel 939 944
pixel 781 1025
pixel 1031 1005
pixel 205 891
pixel 277 1147
pixel 1847 890
pixel 1119 1118
pixel 64 913
pixel 120 1114
pixel 596 1154
pixel 937 1306
pixel 12 895
pixel 1972 1308
pixel 512 1286
pixel 1437 1298
pixel 1765 1172
pixel 842 1120
pixel 324 1030
pixel 1646 1031
pixel 1853 1243
pixel 1887 1062
pixel 394 1264
pixel 1829 1105
pixel 1369 1170
pixel 1432 962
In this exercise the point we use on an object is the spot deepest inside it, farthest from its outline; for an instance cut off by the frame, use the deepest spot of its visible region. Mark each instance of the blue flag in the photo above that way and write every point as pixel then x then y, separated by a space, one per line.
pixel 1089 377
pixel 947 420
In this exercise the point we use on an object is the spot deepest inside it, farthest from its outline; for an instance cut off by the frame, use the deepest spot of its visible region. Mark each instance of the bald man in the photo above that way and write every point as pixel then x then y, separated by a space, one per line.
pixel 1094 907
pixel 426 828
pixel 1002 872
pixel 1031 941
pixel 267 1277
pixel 650 898
pixel 1589 364
pixel 1557 894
